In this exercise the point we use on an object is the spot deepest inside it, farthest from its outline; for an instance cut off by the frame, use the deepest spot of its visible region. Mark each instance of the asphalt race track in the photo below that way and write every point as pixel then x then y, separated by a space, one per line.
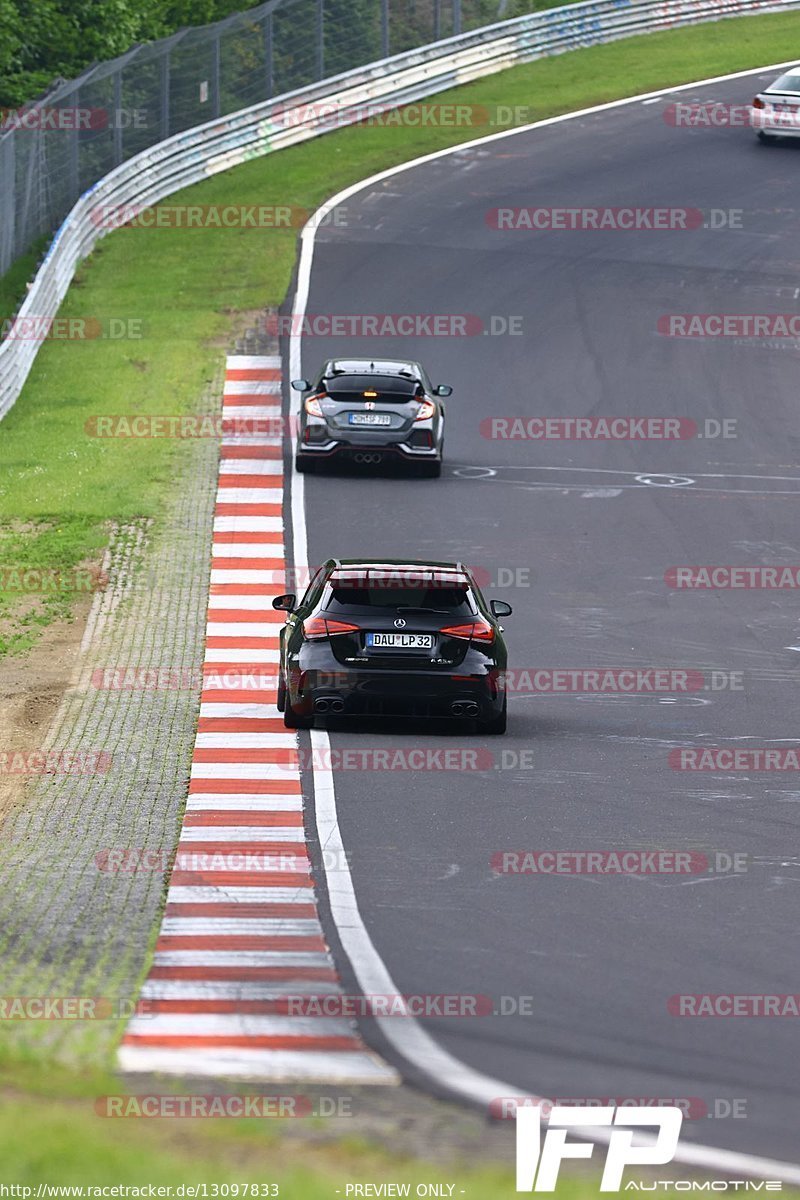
pixel 599 955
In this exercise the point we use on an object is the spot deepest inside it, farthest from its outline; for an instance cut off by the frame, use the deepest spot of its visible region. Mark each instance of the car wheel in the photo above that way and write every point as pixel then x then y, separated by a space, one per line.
pixel 296 720
pixel 303 466
pixel 496 724
pixel 280 699
pixel 766 138
pixel 429 470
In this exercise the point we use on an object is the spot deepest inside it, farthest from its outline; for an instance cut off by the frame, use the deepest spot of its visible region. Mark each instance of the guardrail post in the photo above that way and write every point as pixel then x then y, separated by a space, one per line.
pixel 385 28
pixel 165 95
pixel 268 56
pixel 117 116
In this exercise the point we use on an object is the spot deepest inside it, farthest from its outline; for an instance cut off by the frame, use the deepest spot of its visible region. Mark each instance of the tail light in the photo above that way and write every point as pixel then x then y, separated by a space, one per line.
pixel 476 631
pixel 316 628
pixel 759 103
pixel 425 411
pixel 313 406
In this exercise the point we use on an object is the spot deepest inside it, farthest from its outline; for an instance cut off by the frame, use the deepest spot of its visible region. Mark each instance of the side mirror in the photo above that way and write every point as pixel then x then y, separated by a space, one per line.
pixel 500 608
pixel 301 385
pixel 286 603
pixel 443 389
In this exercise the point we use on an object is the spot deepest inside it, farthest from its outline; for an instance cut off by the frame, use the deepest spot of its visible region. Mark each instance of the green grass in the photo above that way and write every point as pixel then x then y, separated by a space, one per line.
pixel 74 1145
pixel 50 1133
pixel 186 287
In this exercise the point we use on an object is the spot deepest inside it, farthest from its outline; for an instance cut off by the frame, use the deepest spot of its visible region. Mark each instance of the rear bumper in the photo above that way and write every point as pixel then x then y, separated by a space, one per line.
pixel 361 690
pixel 774 124
pixel 368 452
pixel 331 442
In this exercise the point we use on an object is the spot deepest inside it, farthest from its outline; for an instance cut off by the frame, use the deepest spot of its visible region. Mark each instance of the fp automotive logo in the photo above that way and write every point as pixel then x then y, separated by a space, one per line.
pixel 621 1150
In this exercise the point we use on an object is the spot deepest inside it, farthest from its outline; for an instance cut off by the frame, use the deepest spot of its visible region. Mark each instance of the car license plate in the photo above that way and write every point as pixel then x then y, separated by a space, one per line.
pixel 370 418
pixel 400 641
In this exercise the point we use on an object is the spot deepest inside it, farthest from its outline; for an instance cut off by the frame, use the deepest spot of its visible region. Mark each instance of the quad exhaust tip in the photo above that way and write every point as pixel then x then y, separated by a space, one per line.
pixel 465 708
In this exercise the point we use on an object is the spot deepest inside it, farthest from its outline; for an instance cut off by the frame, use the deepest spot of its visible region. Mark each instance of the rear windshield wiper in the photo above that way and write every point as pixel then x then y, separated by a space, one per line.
pixel 421 608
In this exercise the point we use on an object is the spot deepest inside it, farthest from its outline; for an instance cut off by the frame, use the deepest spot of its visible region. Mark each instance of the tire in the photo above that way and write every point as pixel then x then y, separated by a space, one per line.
pixel 496 724
pixel 280 699
pixel 766 139
pixel 296 720
pixel 303 466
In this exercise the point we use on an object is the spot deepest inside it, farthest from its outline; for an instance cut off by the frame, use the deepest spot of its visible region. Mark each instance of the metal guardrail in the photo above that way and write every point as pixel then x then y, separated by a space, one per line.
pixel 201 152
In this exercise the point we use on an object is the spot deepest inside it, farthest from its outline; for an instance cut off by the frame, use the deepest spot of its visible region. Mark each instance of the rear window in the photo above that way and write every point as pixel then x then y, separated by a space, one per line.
pixel 387 386
pixel 345 597
pixel 787 83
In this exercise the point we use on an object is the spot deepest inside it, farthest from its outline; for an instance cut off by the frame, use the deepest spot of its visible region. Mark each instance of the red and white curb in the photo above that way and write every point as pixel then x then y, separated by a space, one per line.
pixel 241 931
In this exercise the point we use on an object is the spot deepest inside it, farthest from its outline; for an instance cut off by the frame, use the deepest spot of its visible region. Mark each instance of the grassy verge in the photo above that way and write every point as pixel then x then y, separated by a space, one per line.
pixel 75 1145
pixel 60 488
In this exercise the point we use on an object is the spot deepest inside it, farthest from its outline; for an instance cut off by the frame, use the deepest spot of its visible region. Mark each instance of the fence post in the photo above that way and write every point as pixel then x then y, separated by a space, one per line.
pixel 456 17
pixel 385 27
pixel 320 39
pixel 437 20
pixel 74 175
pixel 165 95
pixel 268 56
pixel 8 177
pixel 117 130
pixel 216 82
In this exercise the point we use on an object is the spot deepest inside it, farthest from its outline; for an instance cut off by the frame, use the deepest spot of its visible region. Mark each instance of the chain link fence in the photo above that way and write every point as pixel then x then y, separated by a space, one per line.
pixel 56 148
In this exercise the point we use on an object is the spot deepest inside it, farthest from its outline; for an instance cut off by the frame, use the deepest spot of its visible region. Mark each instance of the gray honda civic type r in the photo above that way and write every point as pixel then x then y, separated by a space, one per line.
pixel 371 411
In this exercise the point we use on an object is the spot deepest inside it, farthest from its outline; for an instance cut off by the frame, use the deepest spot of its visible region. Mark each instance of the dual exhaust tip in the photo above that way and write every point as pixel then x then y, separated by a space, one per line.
pixel 329 704
pixel 465 708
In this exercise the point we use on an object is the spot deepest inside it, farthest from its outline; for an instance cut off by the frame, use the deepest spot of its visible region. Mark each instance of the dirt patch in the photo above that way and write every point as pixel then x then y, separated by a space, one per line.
pixel 32 686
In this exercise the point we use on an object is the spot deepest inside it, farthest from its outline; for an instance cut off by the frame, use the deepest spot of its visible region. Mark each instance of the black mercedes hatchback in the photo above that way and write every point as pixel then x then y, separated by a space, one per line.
pixel 393 638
